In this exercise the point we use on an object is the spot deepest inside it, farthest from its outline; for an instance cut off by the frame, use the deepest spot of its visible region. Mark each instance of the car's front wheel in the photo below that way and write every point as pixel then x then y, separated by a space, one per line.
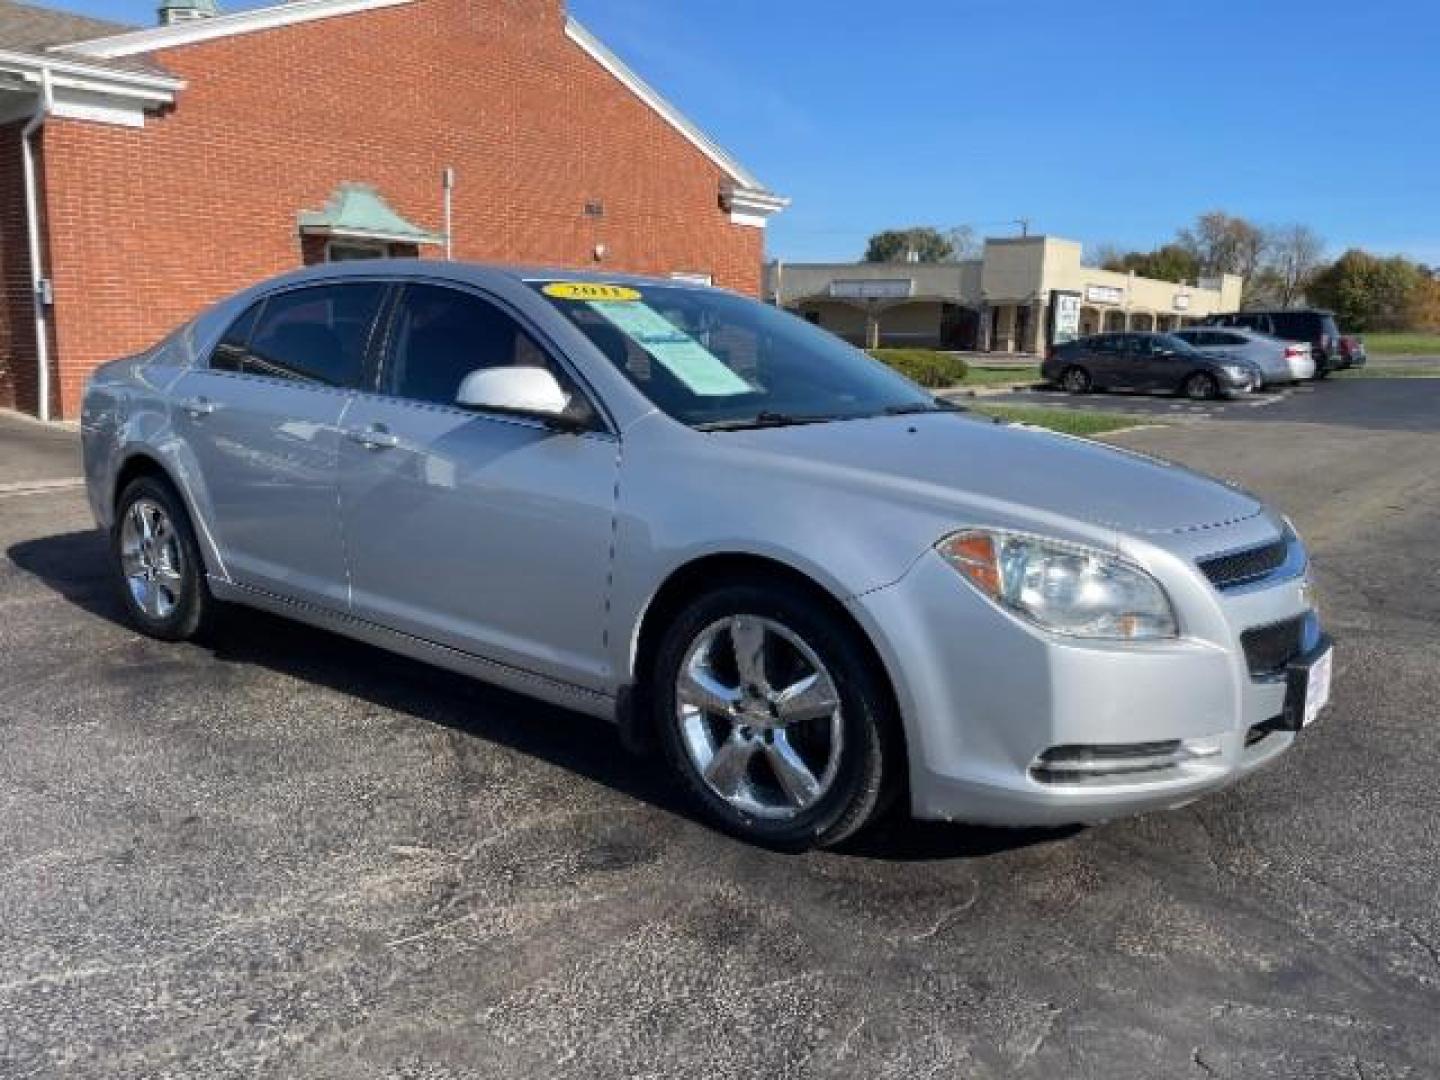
pixel 162 578
pixel 774 716
pixel 1201 386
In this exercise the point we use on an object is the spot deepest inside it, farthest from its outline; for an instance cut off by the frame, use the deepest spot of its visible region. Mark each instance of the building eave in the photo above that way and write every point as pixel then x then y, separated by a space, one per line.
pixel 194 31
pixel 94 78
pixel 751 206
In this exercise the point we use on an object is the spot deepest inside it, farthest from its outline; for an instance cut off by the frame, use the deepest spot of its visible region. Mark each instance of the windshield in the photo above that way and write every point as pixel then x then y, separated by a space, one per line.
pixel 712 359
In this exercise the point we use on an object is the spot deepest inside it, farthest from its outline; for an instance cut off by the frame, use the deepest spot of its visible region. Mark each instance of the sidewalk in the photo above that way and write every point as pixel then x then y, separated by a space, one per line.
pixel 33 454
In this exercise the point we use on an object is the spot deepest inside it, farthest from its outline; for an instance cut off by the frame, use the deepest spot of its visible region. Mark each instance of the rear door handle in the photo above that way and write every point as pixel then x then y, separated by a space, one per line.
pixel 200 406
pixel 373 438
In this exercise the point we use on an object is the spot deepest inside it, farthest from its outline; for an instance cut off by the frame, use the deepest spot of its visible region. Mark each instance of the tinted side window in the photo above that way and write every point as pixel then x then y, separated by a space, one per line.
pixel 1108 344
pixel 1144 345
pixel 442 335
pixel 1229 339
pixel 1297 327
pixel 314 335
pixel 229 355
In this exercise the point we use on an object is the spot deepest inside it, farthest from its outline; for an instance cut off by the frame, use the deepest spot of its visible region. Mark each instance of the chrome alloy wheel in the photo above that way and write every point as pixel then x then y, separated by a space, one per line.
pixel 150 558
pixel 759 717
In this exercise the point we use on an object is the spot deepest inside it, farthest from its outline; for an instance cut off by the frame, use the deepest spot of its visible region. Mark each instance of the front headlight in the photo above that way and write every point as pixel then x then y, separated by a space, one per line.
pixel 1237 371
pixel 1063 587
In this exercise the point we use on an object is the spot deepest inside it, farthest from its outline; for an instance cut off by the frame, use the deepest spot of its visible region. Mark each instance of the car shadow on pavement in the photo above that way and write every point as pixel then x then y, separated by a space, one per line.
pixel 76 566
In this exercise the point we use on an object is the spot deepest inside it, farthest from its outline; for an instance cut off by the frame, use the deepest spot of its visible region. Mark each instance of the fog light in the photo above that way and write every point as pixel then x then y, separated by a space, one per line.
pixel 1082 762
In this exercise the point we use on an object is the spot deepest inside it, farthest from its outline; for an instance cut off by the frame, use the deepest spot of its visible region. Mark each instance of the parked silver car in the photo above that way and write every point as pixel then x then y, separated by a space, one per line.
pixel 814 585
pixel 1278 361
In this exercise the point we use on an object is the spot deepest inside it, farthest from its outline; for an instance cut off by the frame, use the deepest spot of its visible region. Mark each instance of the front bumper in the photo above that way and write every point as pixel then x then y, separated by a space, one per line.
pixel 1238 386
pixel 985 696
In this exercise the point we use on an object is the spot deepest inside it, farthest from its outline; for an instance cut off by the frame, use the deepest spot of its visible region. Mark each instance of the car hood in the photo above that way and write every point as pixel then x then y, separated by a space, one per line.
pixel 959 458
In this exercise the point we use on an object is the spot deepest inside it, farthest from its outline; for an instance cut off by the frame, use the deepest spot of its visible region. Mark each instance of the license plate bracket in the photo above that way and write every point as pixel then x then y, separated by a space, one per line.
pixel 1307 686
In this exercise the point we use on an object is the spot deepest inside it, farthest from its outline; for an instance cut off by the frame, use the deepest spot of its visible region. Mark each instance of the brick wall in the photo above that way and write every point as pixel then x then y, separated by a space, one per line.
pixel 148 225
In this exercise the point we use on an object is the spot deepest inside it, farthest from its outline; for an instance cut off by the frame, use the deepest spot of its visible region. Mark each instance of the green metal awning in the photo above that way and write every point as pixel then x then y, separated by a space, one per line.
pixel 358 212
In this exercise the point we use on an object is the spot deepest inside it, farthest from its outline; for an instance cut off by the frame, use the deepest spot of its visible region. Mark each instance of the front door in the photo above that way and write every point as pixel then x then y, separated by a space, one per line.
pixel 486 533
pixel 263 422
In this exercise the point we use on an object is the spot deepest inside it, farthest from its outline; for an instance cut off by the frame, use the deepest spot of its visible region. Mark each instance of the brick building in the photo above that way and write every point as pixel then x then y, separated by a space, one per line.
pixel 171 165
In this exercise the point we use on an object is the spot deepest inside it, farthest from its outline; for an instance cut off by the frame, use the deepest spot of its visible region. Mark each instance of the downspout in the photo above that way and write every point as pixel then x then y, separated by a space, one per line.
pixel 32 224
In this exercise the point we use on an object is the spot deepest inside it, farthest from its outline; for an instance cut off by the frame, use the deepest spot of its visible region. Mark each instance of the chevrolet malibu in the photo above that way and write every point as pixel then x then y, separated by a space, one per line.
pixel 816 587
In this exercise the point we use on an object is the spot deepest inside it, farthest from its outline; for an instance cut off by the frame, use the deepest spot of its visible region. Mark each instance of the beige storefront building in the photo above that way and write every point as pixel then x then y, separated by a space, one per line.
pixel 1011 299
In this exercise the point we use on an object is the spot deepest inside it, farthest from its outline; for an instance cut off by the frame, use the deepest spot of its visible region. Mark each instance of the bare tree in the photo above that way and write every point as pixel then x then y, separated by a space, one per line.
pixel 1223 244
pixel 1102 255
pixel 1296 253
pixel 964 242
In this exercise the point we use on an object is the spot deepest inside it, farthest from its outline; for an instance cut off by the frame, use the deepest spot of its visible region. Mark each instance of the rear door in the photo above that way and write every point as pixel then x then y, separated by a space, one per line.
pixel 263 423
pixel 484 532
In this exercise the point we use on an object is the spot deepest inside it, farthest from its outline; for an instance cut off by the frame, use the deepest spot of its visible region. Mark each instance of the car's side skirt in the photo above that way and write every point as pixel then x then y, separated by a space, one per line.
pixel 519 680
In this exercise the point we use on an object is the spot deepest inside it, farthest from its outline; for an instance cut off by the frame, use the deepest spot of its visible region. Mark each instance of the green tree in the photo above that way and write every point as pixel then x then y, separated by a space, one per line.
pixel 1368 292
pixel 929 245
pixel 1169 263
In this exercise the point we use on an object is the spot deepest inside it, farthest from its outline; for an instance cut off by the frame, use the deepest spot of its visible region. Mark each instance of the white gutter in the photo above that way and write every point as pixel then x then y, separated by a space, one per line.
pixel 43 106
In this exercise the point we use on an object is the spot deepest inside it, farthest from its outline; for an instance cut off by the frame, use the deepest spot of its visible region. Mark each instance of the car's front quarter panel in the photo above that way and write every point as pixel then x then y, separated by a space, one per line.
pixel 686 495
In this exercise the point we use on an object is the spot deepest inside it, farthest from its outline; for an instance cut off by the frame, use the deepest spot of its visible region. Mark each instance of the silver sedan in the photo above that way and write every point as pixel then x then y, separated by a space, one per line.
pixel 814 586
pixel 1278 361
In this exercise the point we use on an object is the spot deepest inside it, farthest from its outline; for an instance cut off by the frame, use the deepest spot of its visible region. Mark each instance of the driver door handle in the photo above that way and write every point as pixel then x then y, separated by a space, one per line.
pixel 373 438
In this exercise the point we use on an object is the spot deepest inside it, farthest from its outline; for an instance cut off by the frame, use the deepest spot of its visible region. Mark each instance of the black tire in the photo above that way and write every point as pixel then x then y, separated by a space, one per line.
pixel 1076 380
pixel 871 758
pixel 1201 386
pixel 1322 371
pixel 191 608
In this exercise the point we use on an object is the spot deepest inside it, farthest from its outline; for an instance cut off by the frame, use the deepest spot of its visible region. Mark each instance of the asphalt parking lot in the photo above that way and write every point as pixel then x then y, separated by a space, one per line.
pixel 286 854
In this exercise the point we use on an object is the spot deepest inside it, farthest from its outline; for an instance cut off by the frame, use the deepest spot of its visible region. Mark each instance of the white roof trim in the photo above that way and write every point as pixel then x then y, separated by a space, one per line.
pixel 192 31
pixel 648 94
pixel 331 232
pixel 752 206
pixel 159 88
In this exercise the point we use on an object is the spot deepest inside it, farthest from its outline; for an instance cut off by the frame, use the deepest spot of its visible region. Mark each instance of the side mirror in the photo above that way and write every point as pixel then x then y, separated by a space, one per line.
pixel 522 391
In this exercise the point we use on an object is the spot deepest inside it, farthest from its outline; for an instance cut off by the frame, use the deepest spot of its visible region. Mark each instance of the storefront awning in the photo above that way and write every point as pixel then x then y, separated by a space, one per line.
pixel 357 212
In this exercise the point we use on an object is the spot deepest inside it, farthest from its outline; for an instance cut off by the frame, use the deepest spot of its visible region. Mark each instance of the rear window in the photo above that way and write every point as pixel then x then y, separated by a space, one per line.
pixel 1297 325
pixel 317 335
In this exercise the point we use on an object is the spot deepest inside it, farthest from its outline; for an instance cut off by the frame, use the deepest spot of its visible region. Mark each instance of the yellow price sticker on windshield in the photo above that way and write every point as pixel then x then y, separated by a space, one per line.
pixel 590 290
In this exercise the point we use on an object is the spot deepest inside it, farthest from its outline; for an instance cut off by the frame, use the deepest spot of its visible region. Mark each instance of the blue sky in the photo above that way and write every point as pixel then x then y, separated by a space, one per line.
pixel 1112 122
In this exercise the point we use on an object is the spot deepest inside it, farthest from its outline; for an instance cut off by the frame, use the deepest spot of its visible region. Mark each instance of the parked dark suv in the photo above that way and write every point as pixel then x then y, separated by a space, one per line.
pixel 1314 327
pixel 1147 361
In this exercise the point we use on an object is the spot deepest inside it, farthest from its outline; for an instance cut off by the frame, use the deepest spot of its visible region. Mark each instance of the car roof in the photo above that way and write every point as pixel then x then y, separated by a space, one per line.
pixel 473 272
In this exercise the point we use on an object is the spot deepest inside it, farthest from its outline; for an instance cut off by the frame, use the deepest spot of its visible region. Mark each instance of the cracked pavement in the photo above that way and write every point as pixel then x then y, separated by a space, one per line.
pixel 287 854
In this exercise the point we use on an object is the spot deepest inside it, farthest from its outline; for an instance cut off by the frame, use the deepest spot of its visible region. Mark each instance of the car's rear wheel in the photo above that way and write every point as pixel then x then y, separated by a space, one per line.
pixel 1076 380
pixel 162 578
pixel 773 716
pixel 1201 386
